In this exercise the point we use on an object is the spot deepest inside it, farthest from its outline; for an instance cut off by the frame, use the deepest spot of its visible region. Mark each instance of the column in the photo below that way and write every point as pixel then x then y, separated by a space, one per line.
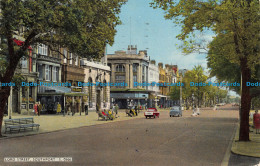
pixel 127 75
pixel 112 73
pixel 138 73
pixel 131 76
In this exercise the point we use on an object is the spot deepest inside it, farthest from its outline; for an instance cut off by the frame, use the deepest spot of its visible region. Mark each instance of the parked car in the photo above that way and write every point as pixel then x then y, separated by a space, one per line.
pixel 175 111
pixel 151 112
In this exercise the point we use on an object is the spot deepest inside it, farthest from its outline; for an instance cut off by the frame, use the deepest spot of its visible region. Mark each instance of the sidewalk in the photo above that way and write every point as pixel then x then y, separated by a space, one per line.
pixel 50 123
pixel 251 148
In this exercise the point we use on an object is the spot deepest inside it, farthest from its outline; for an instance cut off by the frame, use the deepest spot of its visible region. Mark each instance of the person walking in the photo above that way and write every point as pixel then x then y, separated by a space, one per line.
pixel 39 108
pixel 256 121
pixel 116 109
pixel 58 108
pixel 35 108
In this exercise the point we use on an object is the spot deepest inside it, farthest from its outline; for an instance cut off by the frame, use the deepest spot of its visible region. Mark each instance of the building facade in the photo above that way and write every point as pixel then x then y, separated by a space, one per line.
pixel 49 69
pixel 153 76
pixel 130 69
pixel 24 97
pixel 97 75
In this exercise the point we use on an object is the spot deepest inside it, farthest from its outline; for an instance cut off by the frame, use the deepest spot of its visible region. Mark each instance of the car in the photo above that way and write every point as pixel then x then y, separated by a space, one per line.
pixel 151 112
pixel 175 111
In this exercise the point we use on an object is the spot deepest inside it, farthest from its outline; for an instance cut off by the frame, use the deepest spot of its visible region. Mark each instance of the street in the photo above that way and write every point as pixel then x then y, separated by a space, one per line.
pixel 186 140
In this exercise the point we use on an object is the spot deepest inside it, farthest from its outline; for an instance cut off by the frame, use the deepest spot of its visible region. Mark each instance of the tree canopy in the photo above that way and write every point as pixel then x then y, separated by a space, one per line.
pixel 235 24
pixel 84 27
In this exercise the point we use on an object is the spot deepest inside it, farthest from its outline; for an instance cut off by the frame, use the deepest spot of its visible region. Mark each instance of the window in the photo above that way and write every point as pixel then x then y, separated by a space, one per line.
pixel 120 68
pixel 57 74
pixel 65 56
pixel 23 91
pixel 134 78
pixel 24 63
pixel 76 60
pixel 47 73
pixel 30 91
pixel 135 67
pixel 42 49
pixel 54 73
pixel 70 58
pixel 40 70
pixel 120 79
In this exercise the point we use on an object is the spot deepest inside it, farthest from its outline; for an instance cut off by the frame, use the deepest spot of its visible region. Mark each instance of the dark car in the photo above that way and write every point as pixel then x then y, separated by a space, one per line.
pixel 175 111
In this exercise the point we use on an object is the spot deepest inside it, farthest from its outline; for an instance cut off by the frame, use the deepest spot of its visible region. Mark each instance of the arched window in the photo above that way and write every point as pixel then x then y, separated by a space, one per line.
pixel 120 68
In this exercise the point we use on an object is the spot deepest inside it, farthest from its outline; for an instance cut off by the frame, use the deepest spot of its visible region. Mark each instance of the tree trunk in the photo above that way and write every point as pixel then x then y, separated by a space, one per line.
pixel 5 90
pixel 245 102
pixel 4 94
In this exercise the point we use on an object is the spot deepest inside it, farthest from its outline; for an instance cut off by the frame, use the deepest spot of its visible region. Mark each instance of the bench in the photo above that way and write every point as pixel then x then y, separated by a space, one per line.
pixel 20 124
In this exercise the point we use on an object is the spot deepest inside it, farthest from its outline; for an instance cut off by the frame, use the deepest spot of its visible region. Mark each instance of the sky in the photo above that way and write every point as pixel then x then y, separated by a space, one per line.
pixel 149 30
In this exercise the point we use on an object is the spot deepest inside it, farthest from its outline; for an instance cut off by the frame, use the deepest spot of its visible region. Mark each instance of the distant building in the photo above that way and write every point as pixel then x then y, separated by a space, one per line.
pixel 153 76
pixel 129 67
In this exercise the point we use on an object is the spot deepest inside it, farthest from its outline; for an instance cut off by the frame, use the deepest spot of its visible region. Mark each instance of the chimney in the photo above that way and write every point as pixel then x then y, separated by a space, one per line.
pixel 153 62
pixel 160 65
pixel 132 49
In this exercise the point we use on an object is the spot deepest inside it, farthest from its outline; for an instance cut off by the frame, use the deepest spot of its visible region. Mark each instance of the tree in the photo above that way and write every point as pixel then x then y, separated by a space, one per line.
pixel 84 27
pixel 236 26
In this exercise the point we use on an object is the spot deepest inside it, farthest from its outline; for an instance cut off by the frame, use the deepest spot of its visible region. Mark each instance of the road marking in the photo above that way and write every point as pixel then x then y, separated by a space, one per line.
pixel 228 151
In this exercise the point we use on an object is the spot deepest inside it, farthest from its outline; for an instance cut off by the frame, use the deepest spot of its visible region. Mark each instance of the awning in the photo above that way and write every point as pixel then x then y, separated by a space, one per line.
pixel 161 96
pixel 76 94
pixel 53 89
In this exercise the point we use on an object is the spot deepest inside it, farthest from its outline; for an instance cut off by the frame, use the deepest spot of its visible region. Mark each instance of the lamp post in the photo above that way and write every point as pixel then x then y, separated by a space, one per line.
pixel 181 93
pixel 193 108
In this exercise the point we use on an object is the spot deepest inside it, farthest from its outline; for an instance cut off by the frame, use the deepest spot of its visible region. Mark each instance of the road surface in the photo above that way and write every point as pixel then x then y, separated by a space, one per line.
pixel 187 140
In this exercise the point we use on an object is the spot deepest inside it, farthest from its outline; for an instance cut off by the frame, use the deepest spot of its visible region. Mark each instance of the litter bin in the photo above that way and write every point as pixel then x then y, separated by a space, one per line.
pixel 86 109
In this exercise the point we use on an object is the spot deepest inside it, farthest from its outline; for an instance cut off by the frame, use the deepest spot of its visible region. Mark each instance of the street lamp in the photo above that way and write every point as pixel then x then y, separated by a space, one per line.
pixel 193 108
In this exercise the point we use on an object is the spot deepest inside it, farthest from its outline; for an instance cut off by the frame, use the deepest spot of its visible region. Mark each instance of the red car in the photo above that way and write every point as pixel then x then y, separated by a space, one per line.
pixel 152 112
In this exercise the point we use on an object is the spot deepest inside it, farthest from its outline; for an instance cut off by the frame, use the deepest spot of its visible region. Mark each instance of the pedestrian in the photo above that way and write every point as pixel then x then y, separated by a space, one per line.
pixel 117 109
pixel 35 108
pixel 39 108
pixel 58 108
pixel 256 121
pixel 136 111
pixel 73 110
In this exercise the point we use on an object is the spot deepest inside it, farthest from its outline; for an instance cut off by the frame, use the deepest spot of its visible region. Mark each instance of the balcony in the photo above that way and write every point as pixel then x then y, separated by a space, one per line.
pixel 48 59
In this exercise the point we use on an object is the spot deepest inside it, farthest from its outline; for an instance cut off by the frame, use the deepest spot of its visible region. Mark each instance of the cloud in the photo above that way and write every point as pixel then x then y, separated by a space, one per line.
pixel 188 61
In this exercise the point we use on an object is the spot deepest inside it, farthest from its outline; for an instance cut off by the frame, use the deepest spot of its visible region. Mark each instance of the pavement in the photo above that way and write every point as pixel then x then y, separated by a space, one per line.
pixel 187 140
pixel 51 123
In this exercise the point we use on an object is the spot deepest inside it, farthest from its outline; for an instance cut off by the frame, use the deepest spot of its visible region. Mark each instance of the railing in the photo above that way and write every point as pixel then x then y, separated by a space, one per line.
pixel 48 58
